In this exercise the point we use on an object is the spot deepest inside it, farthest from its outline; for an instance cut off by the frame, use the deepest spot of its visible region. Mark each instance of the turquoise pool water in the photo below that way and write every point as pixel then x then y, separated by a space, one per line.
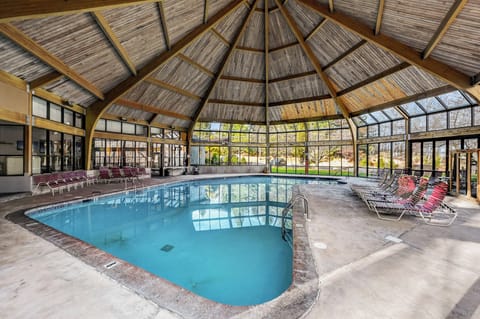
pixel 218 238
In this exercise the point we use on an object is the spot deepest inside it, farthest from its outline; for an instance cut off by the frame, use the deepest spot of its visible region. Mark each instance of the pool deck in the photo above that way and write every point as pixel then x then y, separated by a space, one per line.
pixel 434 272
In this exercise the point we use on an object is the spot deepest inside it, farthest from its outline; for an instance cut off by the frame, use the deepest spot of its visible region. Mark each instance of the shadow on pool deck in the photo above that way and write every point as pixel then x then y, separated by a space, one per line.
pixel 432 273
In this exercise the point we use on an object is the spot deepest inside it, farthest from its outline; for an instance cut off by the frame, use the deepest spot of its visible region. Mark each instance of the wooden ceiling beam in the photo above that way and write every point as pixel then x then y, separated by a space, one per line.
pixel 285 46
pixel 302 100
pixel 331 6
pixel 152 109
pixel 224 63
pixel 13 80
pixel 404 52
pixel 402 112
pixel 345 54
pixel 443 27
pixel 293 76
pixel 20 10
pixel 316 29
pixel 44 80
pixel 39 52
pixel 250 49
pixel 196 65
pixel 115 93
pixel 221 37
pixel 239 79
pixel 163 23
pixel 274 9
pixel 378 22
pixel 205 11
pixel 266 41
pixel 95 111
pixel 313 59
pixel 172 88
pixel 374 78
pixel 232 102
pixel 110 35
pixel 110 116
pixel 407 99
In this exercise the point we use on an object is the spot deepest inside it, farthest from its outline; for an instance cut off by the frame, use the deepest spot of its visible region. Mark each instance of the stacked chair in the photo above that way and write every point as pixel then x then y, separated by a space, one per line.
pixel 398 195
pixel 58 182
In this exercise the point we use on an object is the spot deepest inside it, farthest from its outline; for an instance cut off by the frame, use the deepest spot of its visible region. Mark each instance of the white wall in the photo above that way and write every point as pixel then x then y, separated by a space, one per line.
pixel 15 184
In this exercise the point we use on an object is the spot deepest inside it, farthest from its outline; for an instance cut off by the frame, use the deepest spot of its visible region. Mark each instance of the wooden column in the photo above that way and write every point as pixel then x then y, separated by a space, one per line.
pixel 149 147
pixel 27 143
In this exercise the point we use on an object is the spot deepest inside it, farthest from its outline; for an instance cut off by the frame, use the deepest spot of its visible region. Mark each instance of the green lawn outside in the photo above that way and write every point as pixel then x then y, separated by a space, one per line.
pixel 311 171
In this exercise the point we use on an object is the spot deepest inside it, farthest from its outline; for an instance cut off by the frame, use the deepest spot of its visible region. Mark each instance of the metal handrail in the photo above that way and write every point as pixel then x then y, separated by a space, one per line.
pixel 289 206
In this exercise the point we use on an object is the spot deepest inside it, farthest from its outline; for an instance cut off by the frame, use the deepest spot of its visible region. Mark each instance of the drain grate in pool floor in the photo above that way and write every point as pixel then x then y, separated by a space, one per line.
pixel 167 248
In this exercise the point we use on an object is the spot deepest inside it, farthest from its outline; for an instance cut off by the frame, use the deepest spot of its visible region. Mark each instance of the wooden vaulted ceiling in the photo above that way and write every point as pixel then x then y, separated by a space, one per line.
pixel 174 62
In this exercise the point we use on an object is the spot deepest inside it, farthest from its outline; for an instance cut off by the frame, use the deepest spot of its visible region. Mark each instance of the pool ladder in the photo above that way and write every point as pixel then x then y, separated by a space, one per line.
pixel 286 235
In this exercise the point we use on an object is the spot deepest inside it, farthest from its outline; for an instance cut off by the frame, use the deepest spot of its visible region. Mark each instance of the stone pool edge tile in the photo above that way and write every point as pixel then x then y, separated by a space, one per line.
pixel 293 303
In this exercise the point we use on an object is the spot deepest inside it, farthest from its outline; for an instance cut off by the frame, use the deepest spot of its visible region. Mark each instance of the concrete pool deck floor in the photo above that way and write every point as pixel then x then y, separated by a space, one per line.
pixel 434 272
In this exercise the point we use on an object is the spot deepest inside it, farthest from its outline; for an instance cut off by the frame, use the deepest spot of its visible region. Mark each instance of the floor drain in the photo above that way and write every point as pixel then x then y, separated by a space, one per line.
pixel 110 265
pixel 31 224
pixel 393 239
pixel 167 248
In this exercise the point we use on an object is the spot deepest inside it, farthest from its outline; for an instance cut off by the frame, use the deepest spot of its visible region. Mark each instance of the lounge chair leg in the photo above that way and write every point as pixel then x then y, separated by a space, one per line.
pixel 379 215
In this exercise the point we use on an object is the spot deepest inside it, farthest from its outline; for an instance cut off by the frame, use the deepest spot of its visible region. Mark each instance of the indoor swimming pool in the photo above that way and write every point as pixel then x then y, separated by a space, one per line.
pixel 219 238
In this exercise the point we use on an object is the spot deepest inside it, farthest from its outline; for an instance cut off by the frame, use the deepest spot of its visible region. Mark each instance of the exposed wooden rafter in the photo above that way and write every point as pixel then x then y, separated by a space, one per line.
pixel 313 59
pixel 374 78
pixel 236 121
pixel 152 109
pixel 107 30
pixel 232 102
pixel 378 22
pixel 402 112
pixel 44 80
pixel 272 10
pixel 293 76
pixel 236 78
pixel 316 29
pixel 301 100
pixel 20 10
pixel 205 11
pixel 443 27
pixel 172 88
pixel 407 99
pixel 285 46
pixel 439 69
pixel 331 6
pixel 13 80
pixel 96 110
pixel 345 54
pixel 163 22
pixel 266 41
pixel 254 50
pixel 217 78
pixel 196 65
pixel 221 37
pixel 122 88
pixel 55 63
